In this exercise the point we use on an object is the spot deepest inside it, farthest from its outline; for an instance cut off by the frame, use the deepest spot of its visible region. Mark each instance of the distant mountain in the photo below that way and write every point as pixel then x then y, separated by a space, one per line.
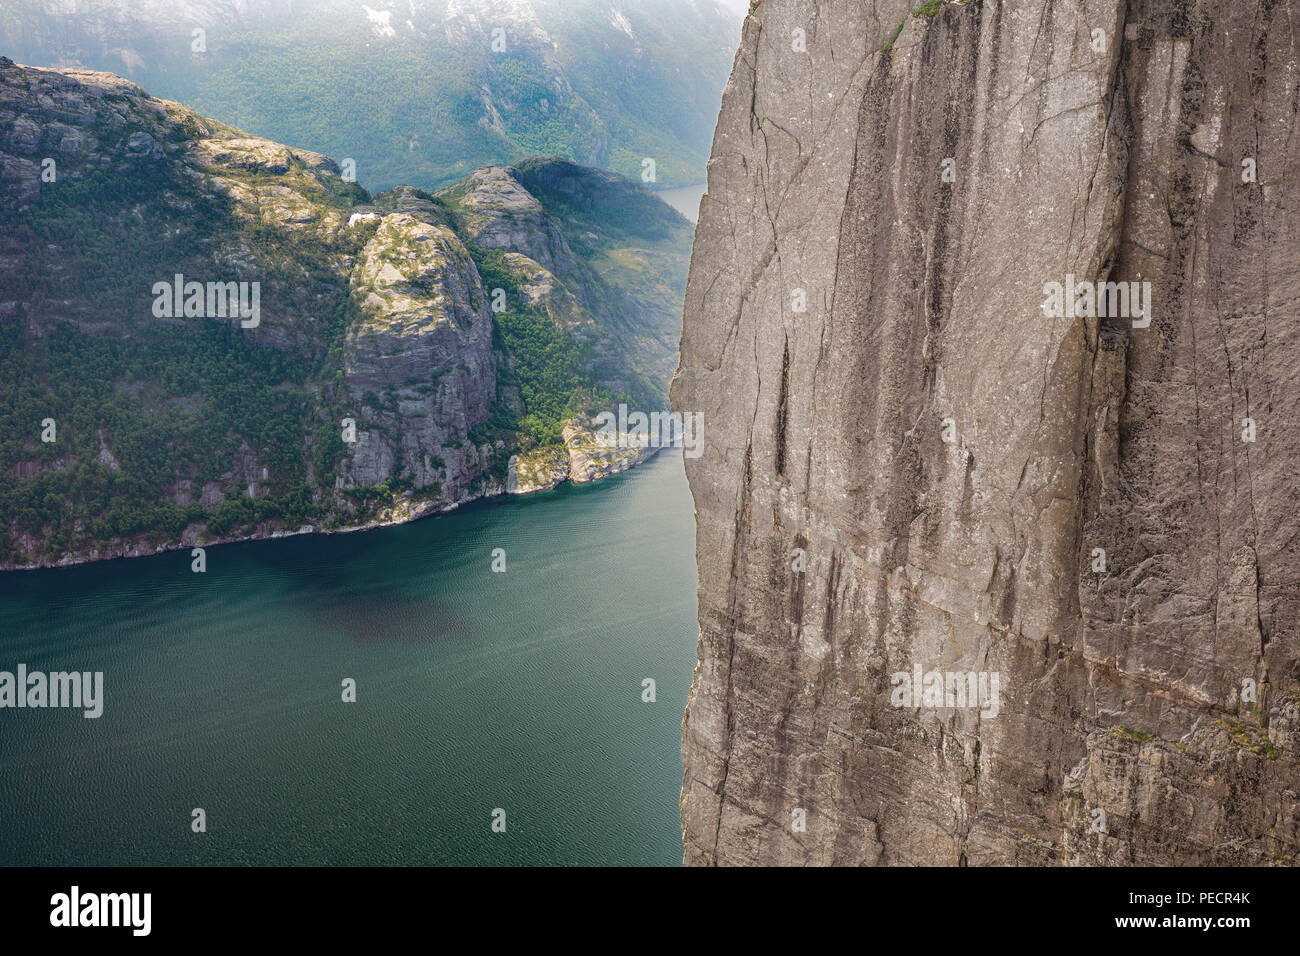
pixel 361 359
pixel 418 91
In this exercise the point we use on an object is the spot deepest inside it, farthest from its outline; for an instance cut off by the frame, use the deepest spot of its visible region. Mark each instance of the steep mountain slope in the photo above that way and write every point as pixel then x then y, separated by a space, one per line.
pixel 916 466
pixel 205 336
pixel 418 91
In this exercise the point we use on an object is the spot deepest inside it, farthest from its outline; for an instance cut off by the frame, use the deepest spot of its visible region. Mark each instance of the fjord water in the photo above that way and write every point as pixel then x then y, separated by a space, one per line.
pixel 685 199
pixel 475 691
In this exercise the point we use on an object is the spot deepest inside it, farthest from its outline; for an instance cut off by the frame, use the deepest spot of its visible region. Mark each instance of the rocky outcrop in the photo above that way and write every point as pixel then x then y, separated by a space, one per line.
pixel 499 213
pixel 377 380
pixel 75 119
pixel 538 470
pixel 592 457
pixel 585 457
pixel 596 252
pixel 915 466
pixel 423 349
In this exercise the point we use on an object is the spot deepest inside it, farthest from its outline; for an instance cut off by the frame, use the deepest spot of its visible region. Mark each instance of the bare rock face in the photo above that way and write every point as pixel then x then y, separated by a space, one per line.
pixel 499 213
pixel 593 457
pixel 918 472
pixel 423 352
pixel 585 457
pixel 539 469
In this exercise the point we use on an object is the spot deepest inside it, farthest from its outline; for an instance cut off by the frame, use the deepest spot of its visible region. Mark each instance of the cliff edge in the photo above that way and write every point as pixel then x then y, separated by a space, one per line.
pixel 991 318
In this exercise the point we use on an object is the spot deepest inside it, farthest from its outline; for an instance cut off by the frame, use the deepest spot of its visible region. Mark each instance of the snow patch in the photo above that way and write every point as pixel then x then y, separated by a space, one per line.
pixel 379 21
pixel 620 22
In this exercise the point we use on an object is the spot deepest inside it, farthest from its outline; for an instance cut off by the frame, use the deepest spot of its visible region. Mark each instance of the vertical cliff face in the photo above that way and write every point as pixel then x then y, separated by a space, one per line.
pixel 914 467
pixel 424 317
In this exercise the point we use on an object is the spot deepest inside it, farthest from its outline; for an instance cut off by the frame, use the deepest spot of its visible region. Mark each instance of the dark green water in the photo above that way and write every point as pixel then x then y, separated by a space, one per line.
pixel 475 691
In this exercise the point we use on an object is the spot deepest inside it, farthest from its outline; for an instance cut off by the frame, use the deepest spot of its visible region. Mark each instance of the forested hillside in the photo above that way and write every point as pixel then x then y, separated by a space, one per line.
pixel 418 91
pixel 453 331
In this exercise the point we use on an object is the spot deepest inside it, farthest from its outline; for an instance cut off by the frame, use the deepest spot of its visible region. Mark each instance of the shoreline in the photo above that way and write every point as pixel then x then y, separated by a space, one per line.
pixel 428 509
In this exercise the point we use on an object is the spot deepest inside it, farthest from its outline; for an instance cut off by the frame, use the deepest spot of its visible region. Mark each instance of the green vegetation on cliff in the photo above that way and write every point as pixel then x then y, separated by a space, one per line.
pixel 419 94
pixel 373 311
